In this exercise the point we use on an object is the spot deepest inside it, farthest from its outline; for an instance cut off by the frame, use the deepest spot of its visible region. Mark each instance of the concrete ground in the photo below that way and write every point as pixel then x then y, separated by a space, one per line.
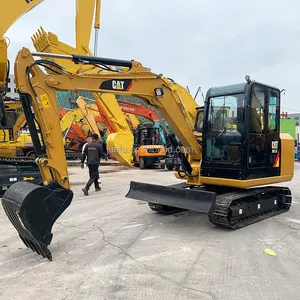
pixel 106 246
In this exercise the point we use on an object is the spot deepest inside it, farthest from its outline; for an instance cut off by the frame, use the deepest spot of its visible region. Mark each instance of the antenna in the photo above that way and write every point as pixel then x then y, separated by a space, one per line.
pixel 199 89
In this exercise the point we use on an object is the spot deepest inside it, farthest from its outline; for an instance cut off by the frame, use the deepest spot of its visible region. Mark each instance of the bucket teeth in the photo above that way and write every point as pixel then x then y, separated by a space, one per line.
pixel 33 209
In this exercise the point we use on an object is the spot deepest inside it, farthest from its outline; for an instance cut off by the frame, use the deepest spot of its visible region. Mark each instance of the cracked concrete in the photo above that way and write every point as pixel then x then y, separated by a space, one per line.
pixel 108 247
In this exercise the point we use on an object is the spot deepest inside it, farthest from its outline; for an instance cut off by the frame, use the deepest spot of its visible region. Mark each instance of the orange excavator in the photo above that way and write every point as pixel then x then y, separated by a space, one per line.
pixel 138 110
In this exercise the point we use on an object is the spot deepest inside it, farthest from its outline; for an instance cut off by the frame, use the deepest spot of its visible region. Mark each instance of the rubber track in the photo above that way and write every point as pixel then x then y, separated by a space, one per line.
pixel 220 215
pixel 16 160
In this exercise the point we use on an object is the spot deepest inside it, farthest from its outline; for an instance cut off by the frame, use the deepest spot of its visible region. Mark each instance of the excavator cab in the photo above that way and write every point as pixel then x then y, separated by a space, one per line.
pixel 148 146
pixel 241 134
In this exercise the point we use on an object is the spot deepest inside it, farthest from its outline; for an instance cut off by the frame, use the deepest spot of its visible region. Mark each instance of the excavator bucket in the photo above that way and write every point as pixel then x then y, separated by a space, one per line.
pixel 120 145
pixel 33 209
pixel 165 198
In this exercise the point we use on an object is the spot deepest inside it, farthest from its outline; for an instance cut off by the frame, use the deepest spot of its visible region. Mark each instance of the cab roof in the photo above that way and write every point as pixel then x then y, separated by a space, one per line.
pixel 239 88
pixel 227 89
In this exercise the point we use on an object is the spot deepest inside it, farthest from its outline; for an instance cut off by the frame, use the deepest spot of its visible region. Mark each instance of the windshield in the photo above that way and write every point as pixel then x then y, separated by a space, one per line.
pixel 224 127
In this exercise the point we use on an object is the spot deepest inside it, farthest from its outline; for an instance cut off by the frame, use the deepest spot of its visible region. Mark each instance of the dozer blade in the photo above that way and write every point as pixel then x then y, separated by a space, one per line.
pixel 33 209
pixel 120 145
pixel 160 197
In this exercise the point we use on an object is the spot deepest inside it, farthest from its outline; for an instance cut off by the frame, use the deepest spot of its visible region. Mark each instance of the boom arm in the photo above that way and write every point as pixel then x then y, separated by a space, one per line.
pixel 10 12
pixel 138 81
pixel 13 10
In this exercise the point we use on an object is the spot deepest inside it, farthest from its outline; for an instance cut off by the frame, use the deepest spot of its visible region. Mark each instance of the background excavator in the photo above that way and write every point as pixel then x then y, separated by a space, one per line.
pixel 223 166
pixel 74 128
pixel 119 124
pixel 149 140
pixel 14 168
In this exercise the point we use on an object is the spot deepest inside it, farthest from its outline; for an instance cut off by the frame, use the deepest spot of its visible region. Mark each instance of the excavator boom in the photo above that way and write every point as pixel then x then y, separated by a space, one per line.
pixel 14 10
pixel 11 11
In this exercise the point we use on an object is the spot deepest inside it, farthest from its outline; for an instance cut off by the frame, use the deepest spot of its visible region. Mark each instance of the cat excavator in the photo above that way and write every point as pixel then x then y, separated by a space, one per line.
pixel 225 162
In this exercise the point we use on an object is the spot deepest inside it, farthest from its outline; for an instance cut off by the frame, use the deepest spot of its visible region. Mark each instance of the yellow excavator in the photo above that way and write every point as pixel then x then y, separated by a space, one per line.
pixel 223 168
pixel 122 135
pixel 14 168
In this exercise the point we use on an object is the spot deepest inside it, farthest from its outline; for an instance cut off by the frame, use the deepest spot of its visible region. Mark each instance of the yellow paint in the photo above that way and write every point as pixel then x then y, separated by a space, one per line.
pixel 119 145
pixel 277 162
pixel 243 184
pixel 270 252
pixel 287 155
pixel 28 178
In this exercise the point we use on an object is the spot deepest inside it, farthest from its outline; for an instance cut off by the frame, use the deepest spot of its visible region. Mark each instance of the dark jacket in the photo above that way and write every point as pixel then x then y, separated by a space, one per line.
pixel 93 151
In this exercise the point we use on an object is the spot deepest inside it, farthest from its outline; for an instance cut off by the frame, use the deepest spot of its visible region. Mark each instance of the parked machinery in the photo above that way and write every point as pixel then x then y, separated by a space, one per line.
pixel 149 149
pixel 13 168
pixel 223 165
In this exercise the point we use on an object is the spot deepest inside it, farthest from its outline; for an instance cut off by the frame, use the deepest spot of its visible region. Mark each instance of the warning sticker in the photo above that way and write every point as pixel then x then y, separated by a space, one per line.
pixel 45 100
pixel 274 145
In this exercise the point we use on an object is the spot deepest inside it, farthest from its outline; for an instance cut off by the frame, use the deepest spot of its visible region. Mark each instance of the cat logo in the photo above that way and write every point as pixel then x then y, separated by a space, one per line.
pixel 28 178
pixel 118 85
pixel 115 84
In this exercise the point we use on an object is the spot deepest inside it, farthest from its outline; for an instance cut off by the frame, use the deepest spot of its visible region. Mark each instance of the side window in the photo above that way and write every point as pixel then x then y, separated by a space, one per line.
pixel 273 111
pixel 199 120
pixel 257 110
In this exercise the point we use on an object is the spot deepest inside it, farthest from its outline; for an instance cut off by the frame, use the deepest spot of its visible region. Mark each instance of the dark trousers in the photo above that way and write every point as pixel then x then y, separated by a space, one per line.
pixel 94 176
pixel 104 148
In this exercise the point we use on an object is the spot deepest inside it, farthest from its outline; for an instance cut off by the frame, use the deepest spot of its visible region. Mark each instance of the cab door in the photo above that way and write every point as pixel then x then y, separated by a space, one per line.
pixel 257 128
pixel 264 132
pixel 273 132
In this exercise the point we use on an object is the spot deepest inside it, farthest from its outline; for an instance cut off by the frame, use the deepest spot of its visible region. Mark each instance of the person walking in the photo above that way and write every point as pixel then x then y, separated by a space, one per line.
pixel 93 152
pixel 87 141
